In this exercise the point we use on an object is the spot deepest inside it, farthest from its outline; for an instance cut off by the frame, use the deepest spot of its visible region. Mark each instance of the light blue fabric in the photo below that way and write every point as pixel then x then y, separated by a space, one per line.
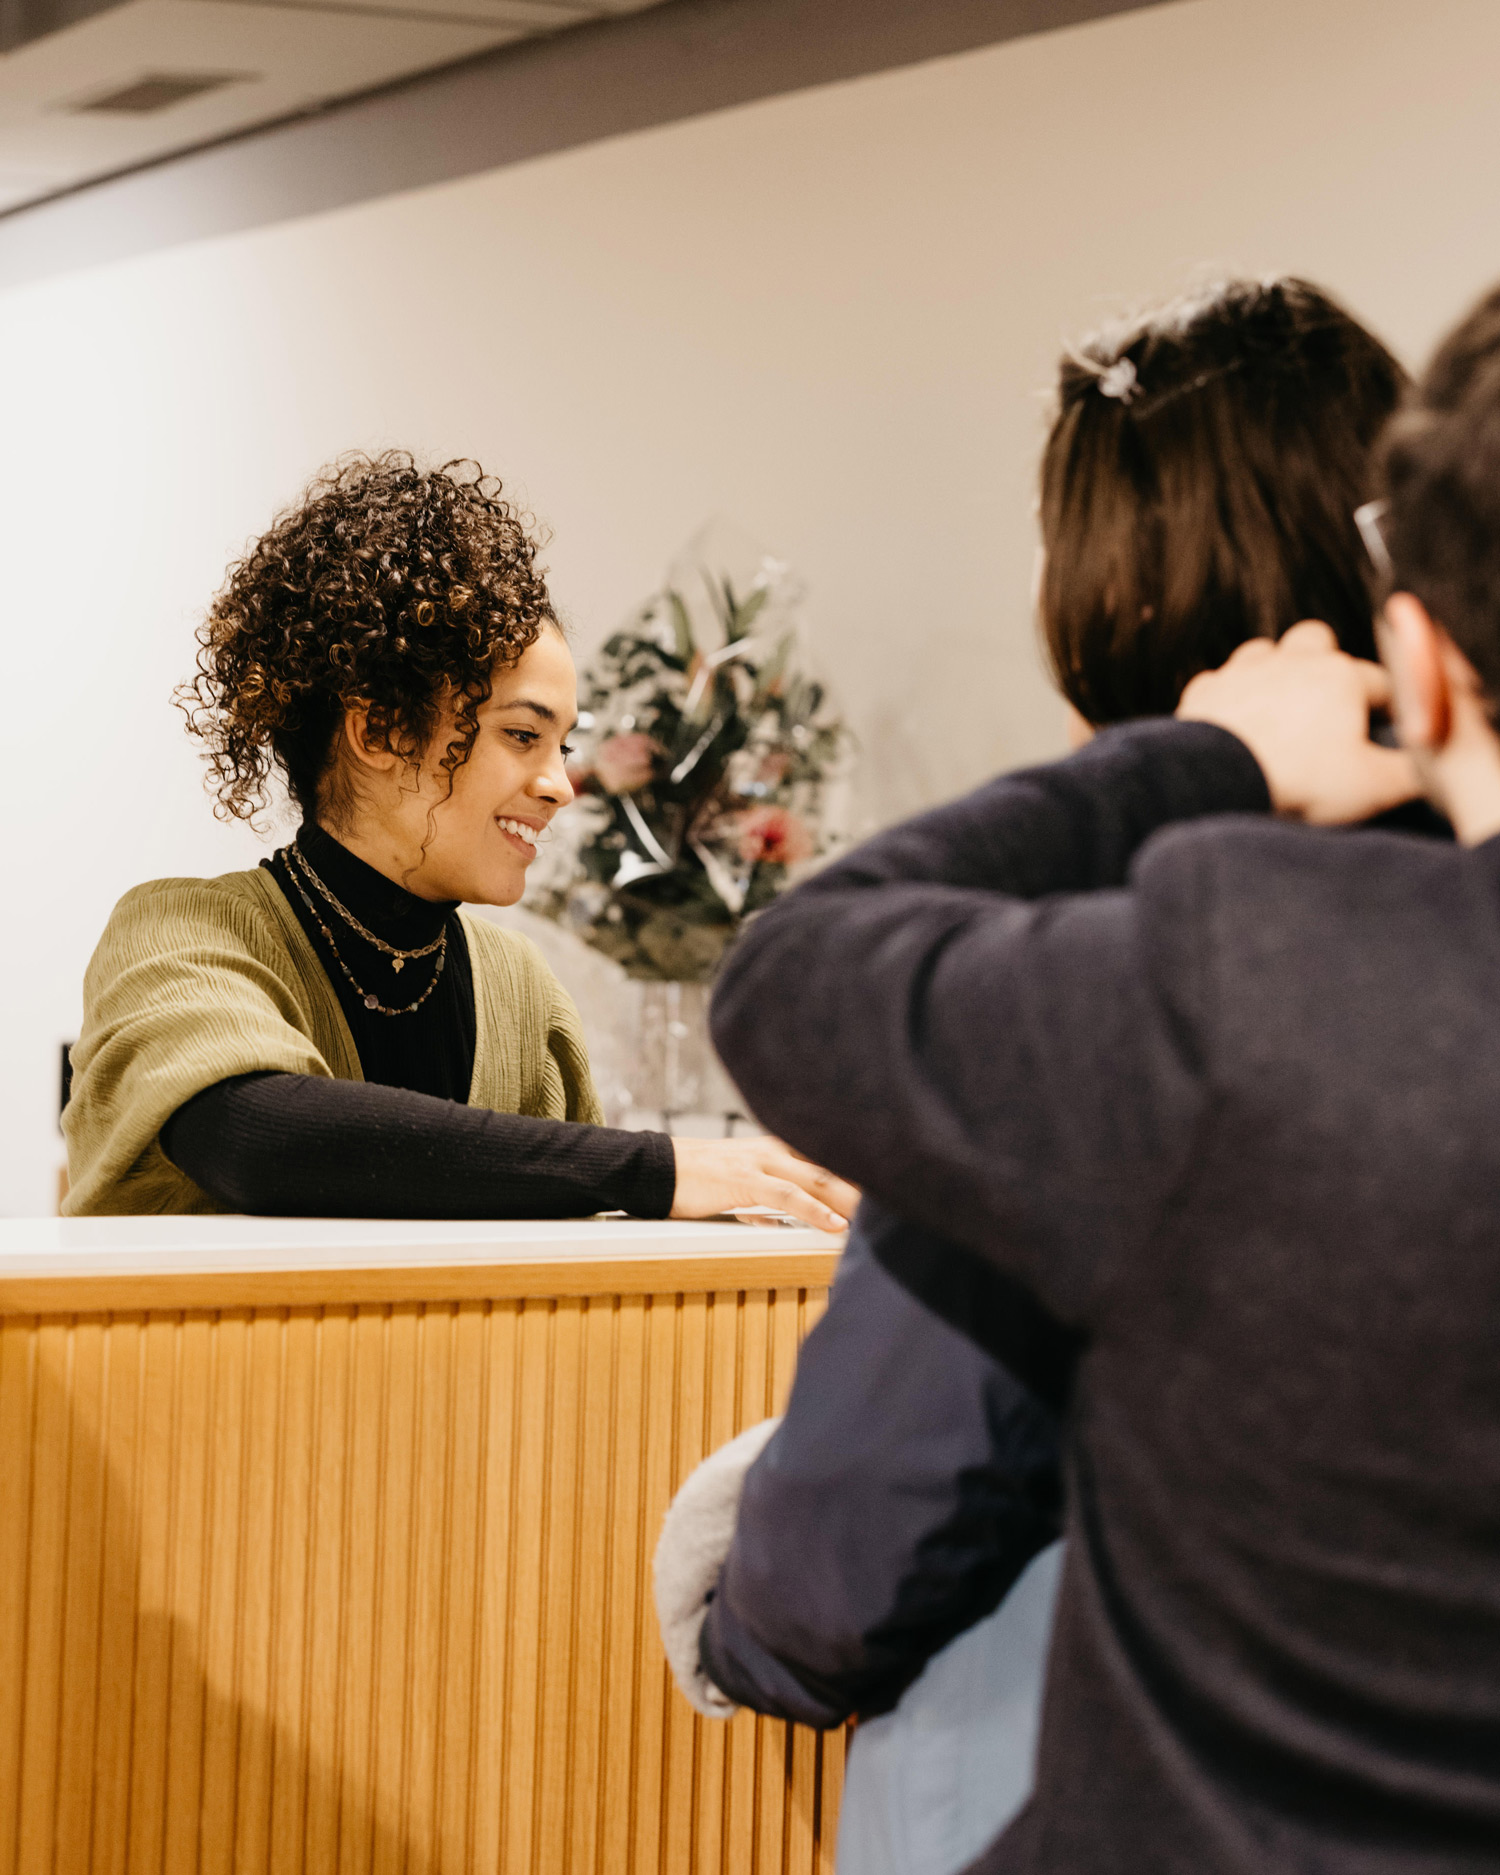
pixel 932 1783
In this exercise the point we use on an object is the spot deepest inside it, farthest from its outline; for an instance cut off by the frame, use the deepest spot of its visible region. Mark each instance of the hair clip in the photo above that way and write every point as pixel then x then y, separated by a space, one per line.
pixel 1119 380
pixel 1367 519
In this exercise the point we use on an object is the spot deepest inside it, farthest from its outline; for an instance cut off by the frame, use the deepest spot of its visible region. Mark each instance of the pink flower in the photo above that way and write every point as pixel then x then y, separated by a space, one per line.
pixel 773 835
pixel 625 763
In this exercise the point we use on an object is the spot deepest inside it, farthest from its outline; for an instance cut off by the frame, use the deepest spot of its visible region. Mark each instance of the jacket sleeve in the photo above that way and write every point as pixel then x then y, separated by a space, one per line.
pixel 909 1484
pixel 952 1017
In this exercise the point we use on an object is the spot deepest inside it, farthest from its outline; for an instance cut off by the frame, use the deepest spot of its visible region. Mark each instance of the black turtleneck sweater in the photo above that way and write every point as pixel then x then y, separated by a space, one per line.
pixel 429 1050
pixel 403 1142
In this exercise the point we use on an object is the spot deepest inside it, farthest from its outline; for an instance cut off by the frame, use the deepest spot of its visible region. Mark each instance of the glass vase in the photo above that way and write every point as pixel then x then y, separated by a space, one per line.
pixel 675 1074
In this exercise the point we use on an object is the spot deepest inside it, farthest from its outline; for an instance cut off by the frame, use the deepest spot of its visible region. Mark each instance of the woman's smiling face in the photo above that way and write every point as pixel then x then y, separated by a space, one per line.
pixel 473 843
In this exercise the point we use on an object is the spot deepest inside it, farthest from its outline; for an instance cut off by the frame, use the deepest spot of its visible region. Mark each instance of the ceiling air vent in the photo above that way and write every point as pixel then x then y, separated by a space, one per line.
pixel 157 91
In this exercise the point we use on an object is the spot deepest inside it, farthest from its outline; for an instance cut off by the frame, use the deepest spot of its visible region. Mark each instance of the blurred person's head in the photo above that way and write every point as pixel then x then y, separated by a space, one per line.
pixel 1198 490
pixel 1438 536
pixel 388 650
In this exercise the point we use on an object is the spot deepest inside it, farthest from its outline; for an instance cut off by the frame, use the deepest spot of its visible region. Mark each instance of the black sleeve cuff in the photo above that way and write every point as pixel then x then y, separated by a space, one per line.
pixel 655 1184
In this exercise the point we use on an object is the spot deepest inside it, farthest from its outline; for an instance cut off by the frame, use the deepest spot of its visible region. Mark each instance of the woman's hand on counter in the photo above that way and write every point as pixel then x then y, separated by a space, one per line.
pixel 715 1175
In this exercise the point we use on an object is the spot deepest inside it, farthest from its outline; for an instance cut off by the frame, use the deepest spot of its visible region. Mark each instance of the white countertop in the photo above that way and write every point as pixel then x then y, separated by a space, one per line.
pixel 52 1246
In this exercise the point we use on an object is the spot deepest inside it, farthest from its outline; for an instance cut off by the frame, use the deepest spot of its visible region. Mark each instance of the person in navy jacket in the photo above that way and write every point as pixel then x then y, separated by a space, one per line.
pixel 1206 462
pixel 1230 1120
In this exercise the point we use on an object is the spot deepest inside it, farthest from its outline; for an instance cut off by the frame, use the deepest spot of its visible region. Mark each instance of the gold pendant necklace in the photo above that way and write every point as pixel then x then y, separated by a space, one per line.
pixel 297 858
pixel 398 957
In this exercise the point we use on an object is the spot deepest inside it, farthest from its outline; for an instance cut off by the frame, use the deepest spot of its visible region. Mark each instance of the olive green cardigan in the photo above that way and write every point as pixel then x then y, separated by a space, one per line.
pixel 196 980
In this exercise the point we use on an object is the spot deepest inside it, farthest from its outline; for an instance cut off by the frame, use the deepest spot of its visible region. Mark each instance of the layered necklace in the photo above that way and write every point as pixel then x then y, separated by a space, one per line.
pixel 297 864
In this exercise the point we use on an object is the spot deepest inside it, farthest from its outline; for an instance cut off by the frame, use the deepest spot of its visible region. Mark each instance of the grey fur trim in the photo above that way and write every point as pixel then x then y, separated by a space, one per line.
pixel 695 1538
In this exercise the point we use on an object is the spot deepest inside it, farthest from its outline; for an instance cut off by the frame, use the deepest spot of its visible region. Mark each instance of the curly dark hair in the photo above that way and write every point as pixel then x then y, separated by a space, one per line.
pixel 405 588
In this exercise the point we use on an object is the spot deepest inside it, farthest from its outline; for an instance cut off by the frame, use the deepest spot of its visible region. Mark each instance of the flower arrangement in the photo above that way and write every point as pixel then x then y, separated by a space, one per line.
pixel 704 760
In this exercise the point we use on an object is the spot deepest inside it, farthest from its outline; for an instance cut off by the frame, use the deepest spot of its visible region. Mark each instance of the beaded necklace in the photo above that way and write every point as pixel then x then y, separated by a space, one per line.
pixel 297 859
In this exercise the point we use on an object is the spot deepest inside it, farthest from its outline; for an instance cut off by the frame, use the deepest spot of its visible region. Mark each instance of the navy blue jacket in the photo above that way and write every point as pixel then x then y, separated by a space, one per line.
pixel 911 1481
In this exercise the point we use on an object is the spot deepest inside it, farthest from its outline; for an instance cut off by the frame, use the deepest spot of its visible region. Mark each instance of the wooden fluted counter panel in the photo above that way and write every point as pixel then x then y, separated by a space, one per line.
pixel 357 1585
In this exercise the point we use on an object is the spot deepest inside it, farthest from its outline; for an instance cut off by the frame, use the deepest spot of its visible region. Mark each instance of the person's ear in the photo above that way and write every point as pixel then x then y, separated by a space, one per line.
pixel 1413 647
pixel 368 750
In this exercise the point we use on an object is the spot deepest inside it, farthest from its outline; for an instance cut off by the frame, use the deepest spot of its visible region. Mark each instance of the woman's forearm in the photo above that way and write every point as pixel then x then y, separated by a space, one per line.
pixel 296 1145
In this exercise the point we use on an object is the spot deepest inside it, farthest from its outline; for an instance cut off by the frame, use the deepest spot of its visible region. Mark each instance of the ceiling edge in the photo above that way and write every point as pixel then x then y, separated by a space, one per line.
pixel 670 62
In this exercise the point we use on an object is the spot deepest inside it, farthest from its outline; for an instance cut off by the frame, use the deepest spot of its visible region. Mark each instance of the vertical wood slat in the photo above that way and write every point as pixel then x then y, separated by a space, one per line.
pixel 289 1567
pixel 621 1716
pixel 229 1366
pixel 18 1361
pixel 364 1588
pixel 120 1592
pixel 190 1440
pixel 394 1528
pixel 323 1709
pixel 554 1719
pixel 753 1401
pixel 143 1749
pixel 256 1610
pixel 688 1446
pixel 82 1573
pixel 593 1539
pixel 721 1421
pixel 364 1434
pixel 42 1662
pixel 530 1435
pixel 490 1769
pixel 462 1560
pixel 432 1536
pixel 662 1469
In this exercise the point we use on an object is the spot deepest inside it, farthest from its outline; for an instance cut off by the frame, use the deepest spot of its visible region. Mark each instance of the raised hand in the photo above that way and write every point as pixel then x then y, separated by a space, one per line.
pixel 1302 708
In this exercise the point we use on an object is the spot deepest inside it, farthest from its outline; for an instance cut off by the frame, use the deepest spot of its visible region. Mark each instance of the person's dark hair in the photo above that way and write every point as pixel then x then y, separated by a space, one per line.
pixel 1198 490
pixel 406 588
pixel 1441 460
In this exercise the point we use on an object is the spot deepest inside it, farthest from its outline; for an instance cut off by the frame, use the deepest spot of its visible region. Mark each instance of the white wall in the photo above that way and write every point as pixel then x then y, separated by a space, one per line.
pixel 828 316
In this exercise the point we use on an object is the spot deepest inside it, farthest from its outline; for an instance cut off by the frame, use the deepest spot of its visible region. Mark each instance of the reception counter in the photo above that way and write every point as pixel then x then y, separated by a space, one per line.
pixel 325 1547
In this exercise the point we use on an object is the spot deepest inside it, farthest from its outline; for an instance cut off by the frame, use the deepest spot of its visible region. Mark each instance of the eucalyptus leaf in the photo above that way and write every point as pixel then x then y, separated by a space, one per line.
pixel 721 597
pixel 746 614
pixel 770 671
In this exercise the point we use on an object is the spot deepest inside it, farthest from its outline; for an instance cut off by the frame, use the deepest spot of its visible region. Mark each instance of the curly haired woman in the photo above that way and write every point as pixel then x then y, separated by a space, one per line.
pixel 329 1034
